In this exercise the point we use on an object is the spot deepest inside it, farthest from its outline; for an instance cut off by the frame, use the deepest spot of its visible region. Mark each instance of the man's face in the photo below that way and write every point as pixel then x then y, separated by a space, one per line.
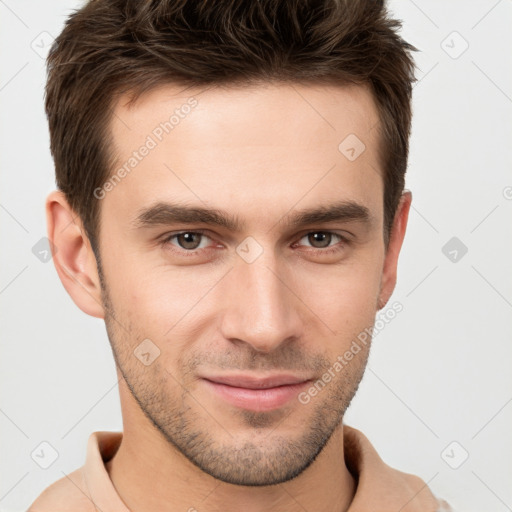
pixel 271 297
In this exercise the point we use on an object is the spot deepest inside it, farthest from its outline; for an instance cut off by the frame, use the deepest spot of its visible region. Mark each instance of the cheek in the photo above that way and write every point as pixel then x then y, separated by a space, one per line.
pixel 344 298
pixel 167 305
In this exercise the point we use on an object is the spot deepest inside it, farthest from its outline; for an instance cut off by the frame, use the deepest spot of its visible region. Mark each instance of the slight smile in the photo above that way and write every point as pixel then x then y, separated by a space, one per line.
pixel 257 394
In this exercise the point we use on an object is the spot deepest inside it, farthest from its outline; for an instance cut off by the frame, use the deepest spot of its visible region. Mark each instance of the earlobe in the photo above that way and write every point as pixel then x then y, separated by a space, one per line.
pixel 396 239
pixel 73 256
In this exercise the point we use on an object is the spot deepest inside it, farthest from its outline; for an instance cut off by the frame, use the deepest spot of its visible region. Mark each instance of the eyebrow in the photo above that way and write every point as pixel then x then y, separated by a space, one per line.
pixel 163 213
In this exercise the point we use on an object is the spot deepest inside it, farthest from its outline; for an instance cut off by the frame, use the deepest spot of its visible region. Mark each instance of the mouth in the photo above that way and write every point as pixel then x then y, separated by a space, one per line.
pixel 258 394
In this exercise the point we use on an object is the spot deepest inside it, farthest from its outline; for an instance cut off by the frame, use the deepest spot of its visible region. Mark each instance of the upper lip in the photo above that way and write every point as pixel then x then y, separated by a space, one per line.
pixel 253 382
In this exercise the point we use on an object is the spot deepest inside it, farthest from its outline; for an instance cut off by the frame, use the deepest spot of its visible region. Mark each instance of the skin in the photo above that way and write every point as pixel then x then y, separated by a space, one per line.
pixel 260 153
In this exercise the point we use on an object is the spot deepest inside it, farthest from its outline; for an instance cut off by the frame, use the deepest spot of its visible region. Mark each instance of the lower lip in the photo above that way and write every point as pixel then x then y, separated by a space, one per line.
pixel 258 400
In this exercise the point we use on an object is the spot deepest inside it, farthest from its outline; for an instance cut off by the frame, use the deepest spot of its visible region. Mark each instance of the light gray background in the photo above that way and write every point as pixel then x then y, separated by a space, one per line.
pixel 438 373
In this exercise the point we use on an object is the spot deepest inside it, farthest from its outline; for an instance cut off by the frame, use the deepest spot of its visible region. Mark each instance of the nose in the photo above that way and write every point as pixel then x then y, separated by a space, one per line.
pixel 261 306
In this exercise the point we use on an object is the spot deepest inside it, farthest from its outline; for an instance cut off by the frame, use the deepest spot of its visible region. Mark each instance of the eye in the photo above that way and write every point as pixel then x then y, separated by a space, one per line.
pixel 187 240
pixel 323 240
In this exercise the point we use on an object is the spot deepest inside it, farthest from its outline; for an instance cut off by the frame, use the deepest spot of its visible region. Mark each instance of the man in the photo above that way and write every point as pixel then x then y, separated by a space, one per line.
pixel 231 201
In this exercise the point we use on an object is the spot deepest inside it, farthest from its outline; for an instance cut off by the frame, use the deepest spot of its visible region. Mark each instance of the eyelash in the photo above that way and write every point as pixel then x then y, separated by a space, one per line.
pixel 194 252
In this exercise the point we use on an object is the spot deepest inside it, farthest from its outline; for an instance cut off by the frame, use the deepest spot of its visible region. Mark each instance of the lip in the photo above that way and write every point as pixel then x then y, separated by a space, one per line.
pixel 256 393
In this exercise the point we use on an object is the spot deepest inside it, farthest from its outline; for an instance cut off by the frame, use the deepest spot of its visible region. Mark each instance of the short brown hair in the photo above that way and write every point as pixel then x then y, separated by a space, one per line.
pixel 110 47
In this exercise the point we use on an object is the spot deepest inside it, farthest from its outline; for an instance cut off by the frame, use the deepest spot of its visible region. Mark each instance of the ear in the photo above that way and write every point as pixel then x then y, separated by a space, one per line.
pixel 73 255
pixel 396 238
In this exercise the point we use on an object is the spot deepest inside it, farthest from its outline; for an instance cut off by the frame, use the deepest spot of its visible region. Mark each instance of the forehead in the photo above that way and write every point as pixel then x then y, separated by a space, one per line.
pixel 255 148
pixel 293 112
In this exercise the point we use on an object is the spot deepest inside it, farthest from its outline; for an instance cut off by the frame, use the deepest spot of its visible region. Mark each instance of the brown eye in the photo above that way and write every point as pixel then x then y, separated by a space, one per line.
pixel 189 240
pixel 323 242
pixel 320 239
